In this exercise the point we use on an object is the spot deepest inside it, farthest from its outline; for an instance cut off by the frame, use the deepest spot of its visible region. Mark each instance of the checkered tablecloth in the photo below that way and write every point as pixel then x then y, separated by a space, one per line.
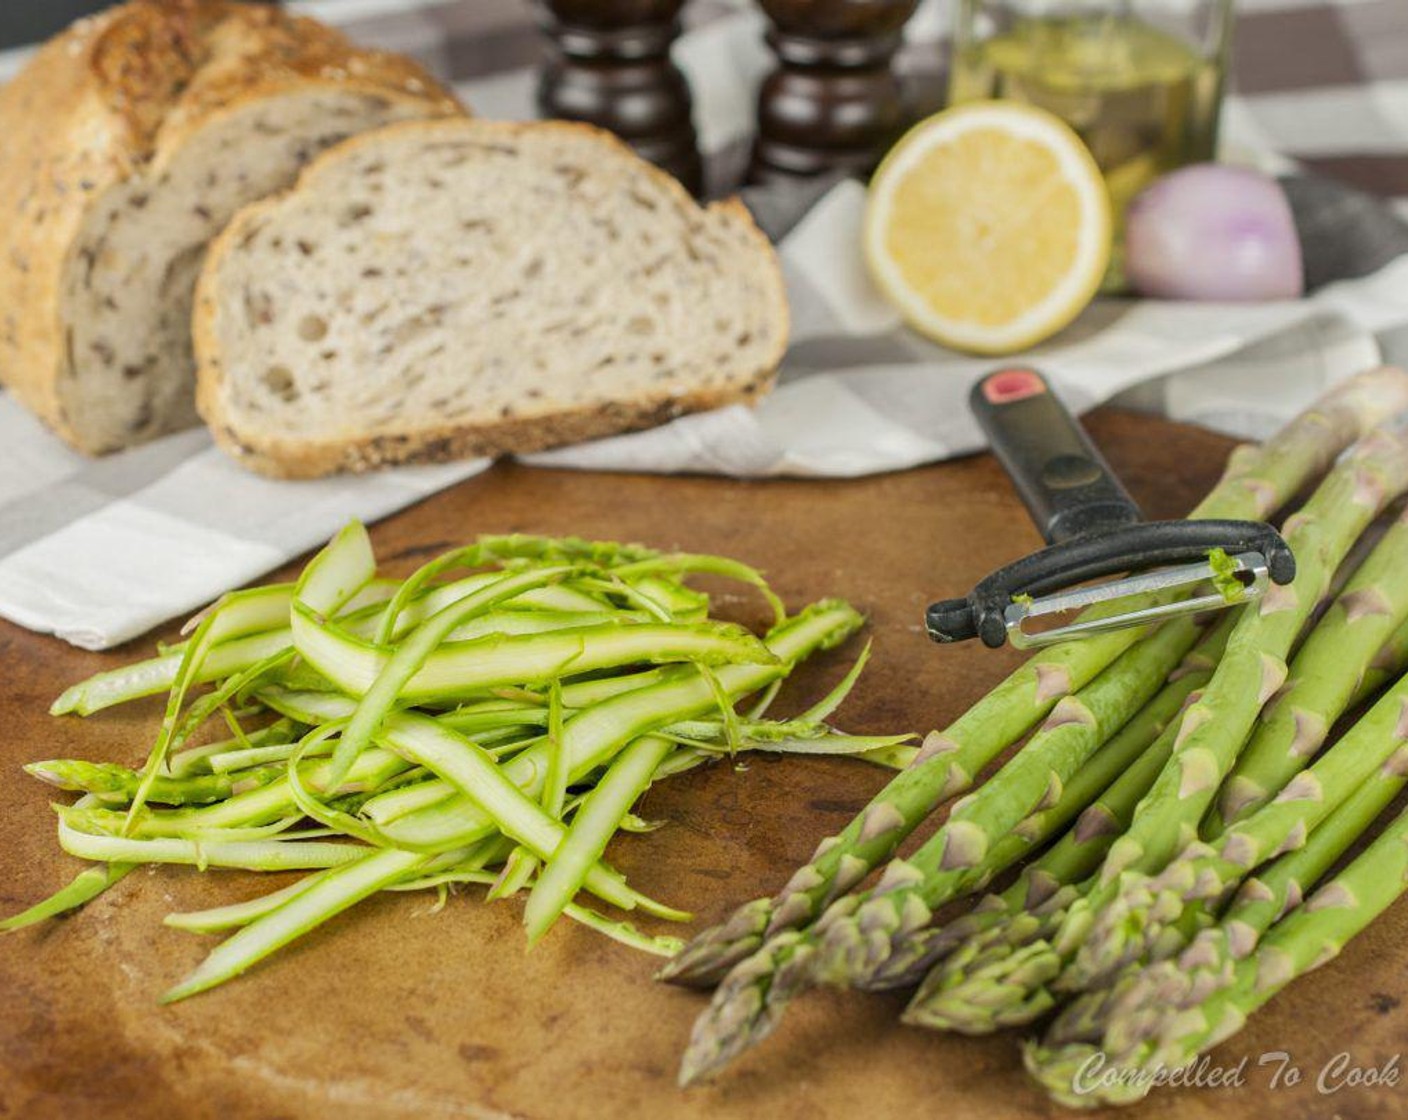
pixel 98 551
pixel 1322 83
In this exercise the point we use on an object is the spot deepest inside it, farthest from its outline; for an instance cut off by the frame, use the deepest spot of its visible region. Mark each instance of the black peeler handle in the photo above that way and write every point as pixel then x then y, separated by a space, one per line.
pixel 1065 483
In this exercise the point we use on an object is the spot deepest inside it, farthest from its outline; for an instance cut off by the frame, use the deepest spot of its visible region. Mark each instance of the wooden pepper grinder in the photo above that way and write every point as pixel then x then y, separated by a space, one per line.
pixel 609 64
pixel 834 103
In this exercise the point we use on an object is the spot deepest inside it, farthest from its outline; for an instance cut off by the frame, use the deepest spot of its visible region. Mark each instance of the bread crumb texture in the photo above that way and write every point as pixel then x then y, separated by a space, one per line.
pixel 130 140
pixel 452 288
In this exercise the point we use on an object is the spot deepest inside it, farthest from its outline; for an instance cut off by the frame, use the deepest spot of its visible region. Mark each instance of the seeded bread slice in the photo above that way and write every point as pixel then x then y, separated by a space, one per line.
pixel 125 145
pixel 444 289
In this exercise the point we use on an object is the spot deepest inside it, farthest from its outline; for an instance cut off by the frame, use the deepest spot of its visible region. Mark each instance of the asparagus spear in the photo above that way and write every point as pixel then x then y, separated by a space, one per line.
pixel 1134 1006
pixel 266 799
pixel 1389 663
pixel 1102 795
pixel 986 981
pixel 474 668
pixel 1257 482
pixel 1310 935
pixel 877 939
pixel 1130 925
pixel 985 946
pixel 1324 674
pixel 1212 732
pixel 1003 980
pixel 1262 899
pixel 866 938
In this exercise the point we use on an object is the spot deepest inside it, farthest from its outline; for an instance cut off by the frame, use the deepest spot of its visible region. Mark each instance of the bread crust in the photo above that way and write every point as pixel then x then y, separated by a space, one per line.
pixel 300 459
pixel 114 95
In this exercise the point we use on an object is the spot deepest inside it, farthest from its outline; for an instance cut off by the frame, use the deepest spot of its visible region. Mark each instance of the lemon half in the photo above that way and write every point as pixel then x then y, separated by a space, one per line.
pixel 988 226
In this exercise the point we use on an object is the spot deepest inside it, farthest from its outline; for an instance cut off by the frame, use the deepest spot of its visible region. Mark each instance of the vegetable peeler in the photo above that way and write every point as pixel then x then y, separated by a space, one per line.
pixel 1094 530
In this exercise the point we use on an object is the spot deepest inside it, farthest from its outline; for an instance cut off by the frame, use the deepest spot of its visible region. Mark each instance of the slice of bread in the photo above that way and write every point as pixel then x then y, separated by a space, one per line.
pixel 128 142
pixel 444 289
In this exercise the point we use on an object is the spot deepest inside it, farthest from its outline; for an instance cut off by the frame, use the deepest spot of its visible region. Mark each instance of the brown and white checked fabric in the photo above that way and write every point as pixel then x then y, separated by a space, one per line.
pixel 99 551
pixel 1323 83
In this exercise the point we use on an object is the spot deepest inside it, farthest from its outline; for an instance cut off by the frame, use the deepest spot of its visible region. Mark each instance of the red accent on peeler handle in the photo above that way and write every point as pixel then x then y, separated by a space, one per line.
pixel 1008 385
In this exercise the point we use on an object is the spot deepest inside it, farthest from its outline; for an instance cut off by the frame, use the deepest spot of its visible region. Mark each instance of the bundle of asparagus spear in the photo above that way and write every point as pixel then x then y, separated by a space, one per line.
pixel 493 728
pixel 1155 836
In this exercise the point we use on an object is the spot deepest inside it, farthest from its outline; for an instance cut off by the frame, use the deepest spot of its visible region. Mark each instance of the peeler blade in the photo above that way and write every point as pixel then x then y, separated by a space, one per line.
pixel 1251 571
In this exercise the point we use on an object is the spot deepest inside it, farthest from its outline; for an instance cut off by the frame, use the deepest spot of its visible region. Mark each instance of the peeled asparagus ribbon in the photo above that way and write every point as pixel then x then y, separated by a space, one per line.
pixel 1177 790
pixel 494 728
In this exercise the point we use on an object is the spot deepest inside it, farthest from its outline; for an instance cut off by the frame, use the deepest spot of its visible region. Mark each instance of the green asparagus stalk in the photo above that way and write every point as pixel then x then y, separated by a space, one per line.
pixel 220 918
pixel 1133 1007
pixel 1002 979
pixel 997 966
pixel 1258 481
pixel 152 677
pixel 877 938
pixel 1132 923
pixel 474 668
pixel 1263 898
pixel 1388 665
pixel 1253 668
pixel 1324 674
pixel 329 894
pixel 1000 960
pixel 249 855
pixel 1310 935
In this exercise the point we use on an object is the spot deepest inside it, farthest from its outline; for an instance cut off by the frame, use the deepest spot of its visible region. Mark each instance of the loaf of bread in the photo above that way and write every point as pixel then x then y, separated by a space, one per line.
pixel 452 288
pixel 125 145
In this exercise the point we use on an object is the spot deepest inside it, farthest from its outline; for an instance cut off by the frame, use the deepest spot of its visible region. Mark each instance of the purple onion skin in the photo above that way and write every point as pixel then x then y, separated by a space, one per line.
pixel 1212 232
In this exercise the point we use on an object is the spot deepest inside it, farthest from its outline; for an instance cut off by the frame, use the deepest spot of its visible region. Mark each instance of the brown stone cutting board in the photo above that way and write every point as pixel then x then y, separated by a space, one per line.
pixel 392 1011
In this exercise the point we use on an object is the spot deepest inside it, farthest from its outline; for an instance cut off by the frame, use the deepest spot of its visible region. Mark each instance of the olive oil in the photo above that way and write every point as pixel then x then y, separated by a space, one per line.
pixel 1143 100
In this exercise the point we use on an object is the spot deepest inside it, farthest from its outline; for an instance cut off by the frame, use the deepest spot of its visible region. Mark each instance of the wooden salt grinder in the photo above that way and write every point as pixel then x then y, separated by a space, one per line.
pixel 834 102
pixel 609 64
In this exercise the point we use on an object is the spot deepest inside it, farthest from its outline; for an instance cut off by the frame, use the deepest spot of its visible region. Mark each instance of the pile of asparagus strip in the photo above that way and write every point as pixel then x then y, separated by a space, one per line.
pixel 492 719
pixel 1139 866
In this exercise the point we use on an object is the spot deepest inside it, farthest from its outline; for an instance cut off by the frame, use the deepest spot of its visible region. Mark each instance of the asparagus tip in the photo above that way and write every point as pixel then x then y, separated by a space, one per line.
pixel 44 771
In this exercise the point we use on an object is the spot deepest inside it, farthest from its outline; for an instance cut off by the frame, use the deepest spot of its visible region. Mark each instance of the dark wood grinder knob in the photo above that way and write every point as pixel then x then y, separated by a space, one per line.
pixel 608 63
pixel 834 102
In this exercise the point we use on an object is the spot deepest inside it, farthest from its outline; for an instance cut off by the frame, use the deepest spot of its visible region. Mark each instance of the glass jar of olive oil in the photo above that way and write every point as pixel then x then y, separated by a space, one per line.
pixel 1139 80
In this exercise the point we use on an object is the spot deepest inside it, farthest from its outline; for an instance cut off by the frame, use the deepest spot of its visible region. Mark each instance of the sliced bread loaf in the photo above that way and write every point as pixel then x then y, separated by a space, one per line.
pixel 452 288
pixel 128 142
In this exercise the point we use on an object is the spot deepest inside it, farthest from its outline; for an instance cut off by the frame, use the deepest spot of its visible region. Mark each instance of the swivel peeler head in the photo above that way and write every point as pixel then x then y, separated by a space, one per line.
pixel 1168 568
